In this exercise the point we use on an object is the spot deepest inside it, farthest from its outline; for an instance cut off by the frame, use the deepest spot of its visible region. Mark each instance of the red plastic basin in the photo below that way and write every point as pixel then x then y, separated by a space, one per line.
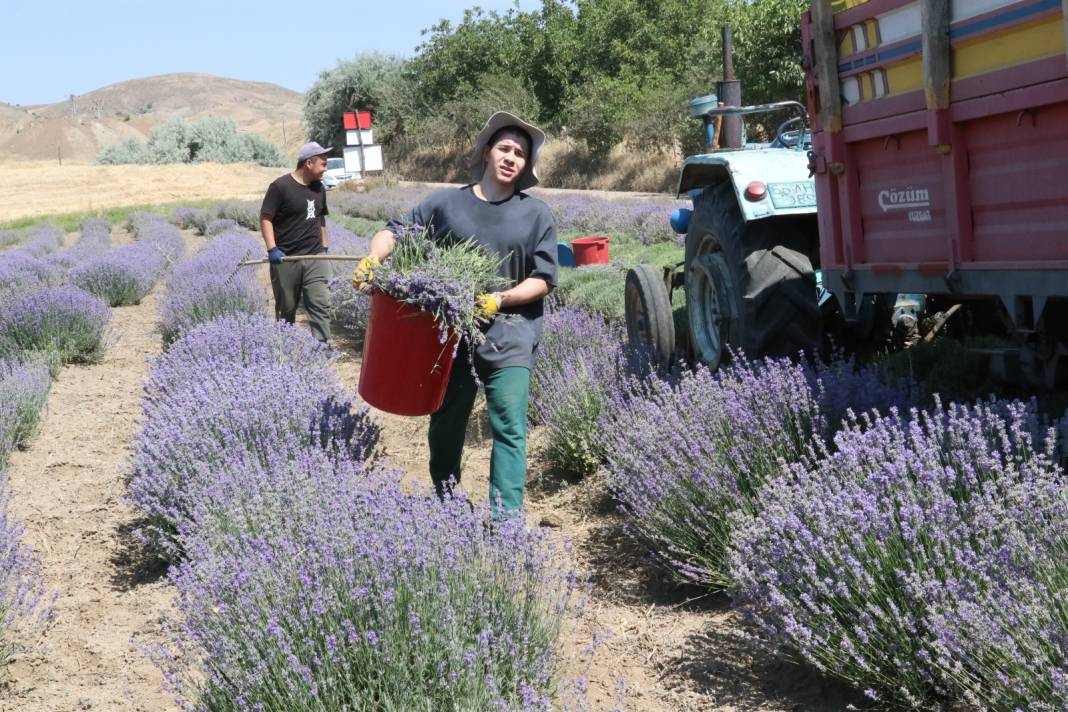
pixel 590 250
pixel 405 367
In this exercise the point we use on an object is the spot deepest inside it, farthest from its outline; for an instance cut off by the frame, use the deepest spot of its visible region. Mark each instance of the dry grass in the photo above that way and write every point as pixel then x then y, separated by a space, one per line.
pixel 41 188
pixel 563 164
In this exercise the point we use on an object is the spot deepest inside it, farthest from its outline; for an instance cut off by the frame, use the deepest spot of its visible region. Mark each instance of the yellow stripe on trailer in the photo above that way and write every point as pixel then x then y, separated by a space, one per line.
pixel 838 6
pixel 1017 45
pixel 904 77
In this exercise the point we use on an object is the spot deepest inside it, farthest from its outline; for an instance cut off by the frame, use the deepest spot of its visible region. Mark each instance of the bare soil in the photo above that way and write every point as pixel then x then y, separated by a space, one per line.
pixel 640 642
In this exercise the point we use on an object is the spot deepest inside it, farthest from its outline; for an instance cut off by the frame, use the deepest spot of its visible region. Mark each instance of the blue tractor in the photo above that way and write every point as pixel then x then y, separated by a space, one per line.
pixel 751 244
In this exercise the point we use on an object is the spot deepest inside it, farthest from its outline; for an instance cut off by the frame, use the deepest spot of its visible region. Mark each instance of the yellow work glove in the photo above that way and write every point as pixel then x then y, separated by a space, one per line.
pixel 364 272
pixel 487 305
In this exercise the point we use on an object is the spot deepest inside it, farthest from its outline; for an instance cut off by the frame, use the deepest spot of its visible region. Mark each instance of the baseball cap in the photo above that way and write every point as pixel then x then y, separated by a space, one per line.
pixel 312 149
pixel 501 119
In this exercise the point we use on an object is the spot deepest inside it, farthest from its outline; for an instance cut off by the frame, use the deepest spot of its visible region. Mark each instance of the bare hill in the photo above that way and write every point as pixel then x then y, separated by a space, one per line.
pixel 78 130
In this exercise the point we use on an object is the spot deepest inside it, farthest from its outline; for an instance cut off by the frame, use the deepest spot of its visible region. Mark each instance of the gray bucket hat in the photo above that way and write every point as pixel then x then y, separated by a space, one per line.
pixel 501 119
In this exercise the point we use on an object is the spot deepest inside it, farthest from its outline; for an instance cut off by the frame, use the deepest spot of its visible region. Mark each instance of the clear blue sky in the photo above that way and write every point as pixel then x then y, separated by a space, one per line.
pixel 52 48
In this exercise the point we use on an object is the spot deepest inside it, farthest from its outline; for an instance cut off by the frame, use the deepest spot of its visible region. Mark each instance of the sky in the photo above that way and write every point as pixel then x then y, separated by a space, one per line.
pixel 50 49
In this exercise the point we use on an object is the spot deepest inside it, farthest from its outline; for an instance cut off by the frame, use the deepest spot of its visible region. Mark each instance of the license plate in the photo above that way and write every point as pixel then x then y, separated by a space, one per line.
pixel 801 194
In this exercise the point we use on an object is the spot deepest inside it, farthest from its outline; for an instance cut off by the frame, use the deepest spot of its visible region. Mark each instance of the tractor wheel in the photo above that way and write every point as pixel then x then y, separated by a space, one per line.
pixel 650 323
pixel 749 286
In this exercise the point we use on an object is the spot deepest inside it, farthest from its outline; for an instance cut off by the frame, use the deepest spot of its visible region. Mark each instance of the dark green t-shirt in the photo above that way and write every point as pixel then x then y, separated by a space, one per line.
pixel 297 212
pixel 523 230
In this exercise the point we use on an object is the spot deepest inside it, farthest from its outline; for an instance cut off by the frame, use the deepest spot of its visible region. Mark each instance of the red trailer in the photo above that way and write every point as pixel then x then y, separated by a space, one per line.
pixel 940 156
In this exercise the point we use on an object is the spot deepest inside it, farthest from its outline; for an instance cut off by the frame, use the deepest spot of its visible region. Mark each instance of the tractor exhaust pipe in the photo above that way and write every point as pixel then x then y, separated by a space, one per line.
pixel 729 92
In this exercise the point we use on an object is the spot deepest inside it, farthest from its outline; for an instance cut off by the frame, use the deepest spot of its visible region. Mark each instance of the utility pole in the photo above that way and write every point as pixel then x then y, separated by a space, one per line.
pixel 285 139
pixel 59 152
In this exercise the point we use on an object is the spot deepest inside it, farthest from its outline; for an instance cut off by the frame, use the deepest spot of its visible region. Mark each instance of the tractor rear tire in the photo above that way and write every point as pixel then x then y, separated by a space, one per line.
pixel 650 322
pixel 767 285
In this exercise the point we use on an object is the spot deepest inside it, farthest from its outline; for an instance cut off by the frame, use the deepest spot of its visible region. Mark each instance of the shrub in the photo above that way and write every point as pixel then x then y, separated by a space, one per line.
pixel 210 284
pixel 207 139
pixel 242 387
pixel 339 591
pixel 580 360
pixel 245 214
pixel 66 320
pixel 21 272
pixel 24 605
pixel 683 454
pixel 220 225
pixel 916 558
pixel 123 275
pixel 24 384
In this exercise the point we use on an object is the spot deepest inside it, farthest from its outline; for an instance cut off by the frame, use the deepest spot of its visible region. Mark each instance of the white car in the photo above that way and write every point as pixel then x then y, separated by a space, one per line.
pixel 335 173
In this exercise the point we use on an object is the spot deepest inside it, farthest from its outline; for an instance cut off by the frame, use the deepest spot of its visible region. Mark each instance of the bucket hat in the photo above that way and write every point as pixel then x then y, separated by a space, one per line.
pixel 502 119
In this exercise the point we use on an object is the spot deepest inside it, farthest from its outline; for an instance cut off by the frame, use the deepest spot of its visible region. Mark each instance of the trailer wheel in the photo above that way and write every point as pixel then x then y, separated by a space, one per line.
pixel 650 323
pixel 752 284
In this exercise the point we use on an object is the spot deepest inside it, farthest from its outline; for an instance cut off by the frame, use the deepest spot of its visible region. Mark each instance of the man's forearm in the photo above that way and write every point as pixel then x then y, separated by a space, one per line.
pixel 382 245
pixel 529 290
pixel 267 228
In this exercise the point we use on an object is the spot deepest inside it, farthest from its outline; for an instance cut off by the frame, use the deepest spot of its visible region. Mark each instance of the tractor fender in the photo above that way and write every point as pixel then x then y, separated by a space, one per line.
pixel 790 188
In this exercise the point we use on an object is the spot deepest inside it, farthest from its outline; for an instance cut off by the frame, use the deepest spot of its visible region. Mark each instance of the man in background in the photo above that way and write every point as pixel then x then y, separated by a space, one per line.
pixel 293 223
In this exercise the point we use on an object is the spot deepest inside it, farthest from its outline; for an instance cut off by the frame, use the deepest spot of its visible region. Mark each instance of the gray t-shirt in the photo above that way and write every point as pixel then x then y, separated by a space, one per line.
pixel 523 230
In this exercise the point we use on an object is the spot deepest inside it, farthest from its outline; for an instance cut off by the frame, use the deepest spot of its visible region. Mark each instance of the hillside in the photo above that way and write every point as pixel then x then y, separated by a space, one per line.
pixel 132 108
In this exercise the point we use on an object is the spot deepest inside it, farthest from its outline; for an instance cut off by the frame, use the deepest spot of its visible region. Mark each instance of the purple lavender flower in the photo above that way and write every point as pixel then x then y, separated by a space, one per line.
pixel 24 385
pixel 350 306
pixel 230 389
pixel 64 320
pixel 315 592
pixel 210 284
pixel 24 606
pixel 913 557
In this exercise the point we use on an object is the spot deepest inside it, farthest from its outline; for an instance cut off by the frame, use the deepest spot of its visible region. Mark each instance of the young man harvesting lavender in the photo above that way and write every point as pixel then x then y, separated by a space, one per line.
pixel 293 222
pixel 495 212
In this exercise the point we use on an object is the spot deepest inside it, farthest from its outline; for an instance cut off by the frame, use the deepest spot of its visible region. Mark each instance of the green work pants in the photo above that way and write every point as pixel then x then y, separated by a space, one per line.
pixel 507 390
pixel 311 280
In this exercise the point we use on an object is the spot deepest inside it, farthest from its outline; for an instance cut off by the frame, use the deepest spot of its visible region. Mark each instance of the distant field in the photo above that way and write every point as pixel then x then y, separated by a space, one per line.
pixel 39 188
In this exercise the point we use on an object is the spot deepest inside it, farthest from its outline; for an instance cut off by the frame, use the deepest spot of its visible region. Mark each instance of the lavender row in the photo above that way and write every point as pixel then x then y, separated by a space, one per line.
pixel 350 306
pixel 215 220
pixel 310 579
pixel 123 275
pixel 645 218
pixel 24 385
pixel 25 606
pixel 211 284
pixel 67 323
pixel 920 558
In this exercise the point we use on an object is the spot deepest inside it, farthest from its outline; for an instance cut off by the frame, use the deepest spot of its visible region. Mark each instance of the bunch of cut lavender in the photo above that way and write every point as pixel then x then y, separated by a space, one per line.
pixel 227 391
pixel 441 278
pixel 580 361
pixel 65 320
pixel 893 561
pixel 336 590
pixel 350 306
pixel 24 606
pixel 210 284
pixel 24 385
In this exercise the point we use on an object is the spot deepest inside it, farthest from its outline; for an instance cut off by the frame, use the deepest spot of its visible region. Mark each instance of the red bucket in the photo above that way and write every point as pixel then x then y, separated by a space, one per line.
pixel 405 367
pixel 590 250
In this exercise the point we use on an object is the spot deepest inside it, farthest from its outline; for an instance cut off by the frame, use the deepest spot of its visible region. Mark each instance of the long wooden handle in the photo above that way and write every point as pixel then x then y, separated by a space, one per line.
pixel 305 258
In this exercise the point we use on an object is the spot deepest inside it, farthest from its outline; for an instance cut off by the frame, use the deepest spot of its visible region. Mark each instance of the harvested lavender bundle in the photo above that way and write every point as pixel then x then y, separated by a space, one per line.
pixel 442 279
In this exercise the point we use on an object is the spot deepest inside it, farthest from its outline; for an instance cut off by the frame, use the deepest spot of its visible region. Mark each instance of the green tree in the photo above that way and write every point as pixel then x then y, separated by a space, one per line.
pixel 372 81
pixel 767 49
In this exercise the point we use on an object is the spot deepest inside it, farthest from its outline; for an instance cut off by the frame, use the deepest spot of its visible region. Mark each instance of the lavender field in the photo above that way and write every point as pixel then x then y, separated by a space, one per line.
pixel 911 550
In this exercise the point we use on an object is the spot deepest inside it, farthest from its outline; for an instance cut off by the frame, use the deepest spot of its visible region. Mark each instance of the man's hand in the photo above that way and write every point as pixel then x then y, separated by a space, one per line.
pixel 363 273
pixel 487 306
pixel 275 255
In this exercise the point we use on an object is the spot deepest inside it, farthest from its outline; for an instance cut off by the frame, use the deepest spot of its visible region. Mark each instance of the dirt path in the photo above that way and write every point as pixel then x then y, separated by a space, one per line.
pixel 67 488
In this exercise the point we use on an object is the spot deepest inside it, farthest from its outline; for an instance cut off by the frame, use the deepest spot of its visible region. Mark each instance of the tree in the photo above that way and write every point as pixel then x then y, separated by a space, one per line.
pixel 372 81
